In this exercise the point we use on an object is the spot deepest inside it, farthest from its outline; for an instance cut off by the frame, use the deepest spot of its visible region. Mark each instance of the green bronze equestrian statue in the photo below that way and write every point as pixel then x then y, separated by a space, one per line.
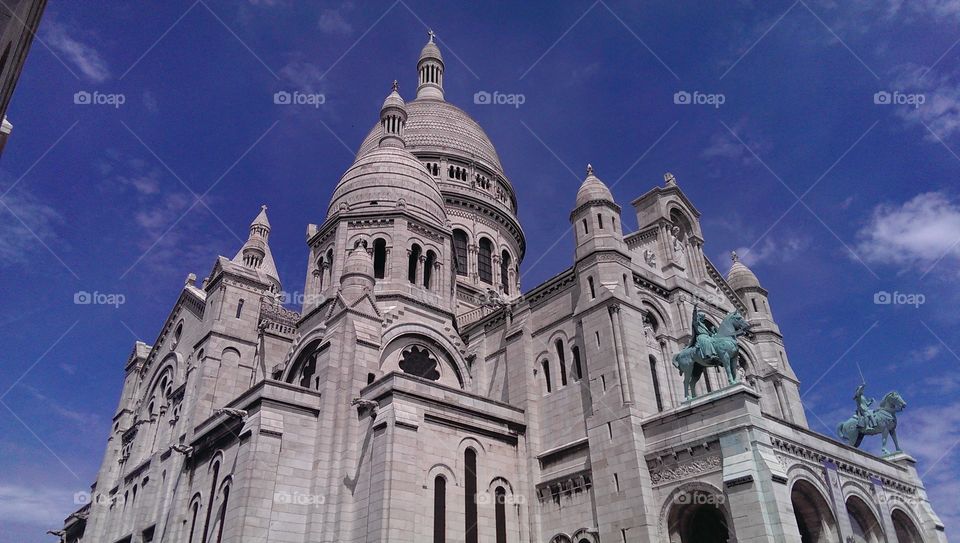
pixel 870 422
pixel 710 348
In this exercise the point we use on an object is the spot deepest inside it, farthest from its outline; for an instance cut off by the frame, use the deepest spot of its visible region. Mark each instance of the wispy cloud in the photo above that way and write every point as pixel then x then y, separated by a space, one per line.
pixel 18 240
pixel 939 114
pixel 723 145
pixel 774 250
pixel 81 418
pixel 918 232
pixel 41 506
pixel 332 21
pixel 85 57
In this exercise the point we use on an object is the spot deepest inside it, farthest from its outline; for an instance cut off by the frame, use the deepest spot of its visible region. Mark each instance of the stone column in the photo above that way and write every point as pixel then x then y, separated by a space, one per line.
pixel 622 370
pixel 832 477
pixel 420 261
pixel 756 489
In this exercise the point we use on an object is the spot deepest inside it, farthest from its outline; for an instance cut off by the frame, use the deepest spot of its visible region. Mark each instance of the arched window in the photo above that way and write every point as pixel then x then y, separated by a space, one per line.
pixel 505 271
pixel 239 308
pixel 500 513
pixel 460 251
pixel 470 495
pixel 439 509
pixel 223 513
pixel 194 511
pixel 379 258
pixel 428 268
pixel 586 228
pixel 599 221
pixel 593 291
pixel 177 333
pixel 484 261
pixel 656 383
pixel 563 362
pixel 213 491
pixel 577 365
pixel 545 364
pixel 413 263
pixel 308 370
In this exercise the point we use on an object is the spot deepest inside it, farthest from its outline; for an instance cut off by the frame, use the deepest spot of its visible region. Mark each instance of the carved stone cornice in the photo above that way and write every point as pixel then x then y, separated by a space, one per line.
pixel 685 470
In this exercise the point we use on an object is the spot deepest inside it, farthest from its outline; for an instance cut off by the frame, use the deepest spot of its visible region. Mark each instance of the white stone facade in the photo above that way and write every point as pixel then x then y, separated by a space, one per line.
pixel 419 397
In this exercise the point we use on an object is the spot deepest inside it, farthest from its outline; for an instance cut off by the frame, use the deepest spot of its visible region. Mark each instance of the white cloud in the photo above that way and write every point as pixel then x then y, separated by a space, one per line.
pixel 725 145
pixel 332 21
pixel 918 232
pixel 304 76
pixel 940 110
pixel 19 240
pixel 83 56
pixel 35 505
pixel 772 250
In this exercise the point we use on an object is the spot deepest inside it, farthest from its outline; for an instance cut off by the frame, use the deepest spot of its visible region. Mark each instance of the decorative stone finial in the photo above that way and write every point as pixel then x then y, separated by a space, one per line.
pixel 396 86
pixel 263 207
pixel 589 169
pixel 734 257
pixel 669 179
pixel 191 279
pixel 431 33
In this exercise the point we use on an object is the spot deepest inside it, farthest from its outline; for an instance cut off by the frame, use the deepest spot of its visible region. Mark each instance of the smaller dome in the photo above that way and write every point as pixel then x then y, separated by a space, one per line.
pixel 740 277
pixel 430 50
pixel 394 100
pixel 387 179
pixel 593 189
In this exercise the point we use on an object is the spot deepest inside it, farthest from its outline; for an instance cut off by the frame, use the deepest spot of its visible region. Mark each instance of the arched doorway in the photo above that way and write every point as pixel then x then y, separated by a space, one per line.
pixel 698 517
pixel 907 531
pixel 814 518
pixel 866 527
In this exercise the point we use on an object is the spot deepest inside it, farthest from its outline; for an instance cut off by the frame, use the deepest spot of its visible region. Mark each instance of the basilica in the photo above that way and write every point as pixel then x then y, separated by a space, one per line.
pixel 421 395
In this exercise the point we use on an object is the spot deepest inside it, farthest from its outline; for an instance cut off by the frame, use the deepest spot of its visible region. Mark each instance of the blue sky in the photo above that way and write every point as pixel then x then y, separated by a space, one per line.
pixel 828 195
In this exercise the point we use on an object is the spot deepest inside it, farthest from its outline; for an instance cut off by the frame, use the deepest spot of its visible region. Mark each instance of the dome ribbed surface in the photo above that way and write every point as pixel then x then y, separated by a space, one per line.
pixel 740 277
pixel 430 50
pixel 379 179
pixel 593 189
pixel 435 125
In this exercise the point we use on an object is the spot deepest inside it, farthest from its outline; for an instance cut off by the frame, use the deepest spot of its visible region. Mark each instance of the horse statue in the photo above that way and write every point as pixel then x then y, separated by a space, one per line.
pixel 870 422
pixel 710 348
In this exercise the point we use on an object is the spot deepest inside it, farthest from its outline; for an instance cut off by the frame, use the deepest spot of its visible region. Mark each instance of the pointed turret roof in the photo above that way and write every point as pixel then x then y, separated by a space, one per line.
pixel 740 276
pixel 255 253
pixel 593 189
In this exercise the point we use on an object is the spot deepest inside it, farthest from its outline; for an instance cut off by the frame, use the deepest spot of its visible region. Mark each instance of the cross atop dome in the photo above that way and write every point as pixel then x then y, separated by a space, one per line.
pixel 396 86
pixel 431 33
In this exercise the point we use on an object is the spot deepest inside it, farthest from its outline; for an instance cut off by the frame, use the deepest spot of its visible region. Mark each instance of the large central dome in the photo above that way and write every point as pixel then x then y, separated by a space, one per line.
pixel 439 126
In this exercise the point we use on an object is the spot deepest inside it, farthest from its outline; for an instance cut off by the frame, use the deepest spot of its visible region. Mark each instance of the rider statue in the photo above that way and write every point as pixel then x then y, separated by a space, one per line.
pixel 702 337
pixel 865 416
